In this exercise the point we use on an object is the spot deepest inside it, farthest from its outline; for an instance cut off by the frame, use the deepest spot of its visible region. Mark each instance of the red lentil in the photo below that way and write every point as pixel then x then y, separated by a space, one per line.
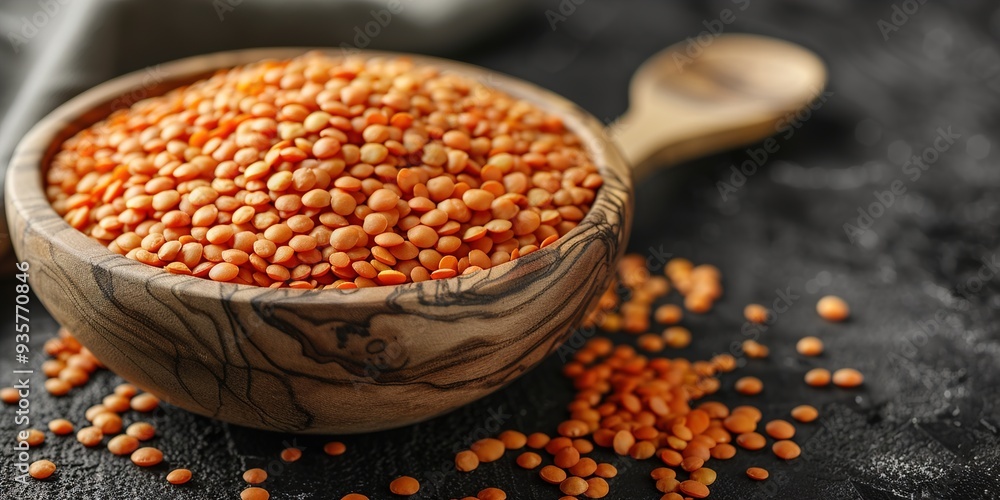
pixel 123 444
pixel 757 473
pixel 466 461
pixel 404 486
pixel 90 436
pixel 57 387
pixel 306 176
pixel 755 313
pixel 818 377
pixel 574 486
pixel 693 489
pixel 9 395
pixel 780 429
pixel 33 437
pixel 596 488
pixel 751 441
pixel 61 427
pixel 848 377
pixel 488 449
pixel 552 474
pixel 492 494
pixel 116 403
pixel 255 476
pixel 512 440
pixel 109 423
pixel 704 476
pixel 529 460
pixel 677 337
pixel 41 469
pixel 786 450
pixel 668 314
pixel 607 471
pixel 805 413
pixel 749 386
pixel 537 440
pixel 179 476
pixel 809 346
pixel 334 448
pixel 147 457
pixel 833 308
pixel 754 349
pixel 291 454
pixel 144 403
pixel 141 431
pixel 254 493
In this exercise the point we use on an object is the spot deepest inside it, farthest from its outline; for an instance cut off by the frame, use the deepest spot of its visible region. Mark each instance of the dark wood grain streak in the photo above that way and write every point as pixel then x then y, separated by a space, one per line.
pixel 327 361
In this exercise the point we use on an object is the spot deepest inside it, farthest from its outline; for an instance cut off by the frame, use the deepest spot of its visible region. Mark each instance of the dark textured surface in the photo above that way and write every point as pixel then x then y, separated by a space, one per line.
pixel 924 326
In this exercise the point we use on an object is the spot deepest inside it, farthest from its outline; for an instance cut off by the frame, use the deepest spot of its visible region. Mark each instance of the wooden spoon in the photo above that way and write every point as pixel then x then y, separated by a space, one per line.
pixel 734 93
pixel 337 361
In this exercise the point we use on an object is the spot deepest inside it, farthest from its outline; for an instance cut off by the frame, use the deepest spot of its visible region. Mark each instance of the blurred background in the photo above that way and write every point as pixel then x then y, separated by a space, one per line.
pixel 913 101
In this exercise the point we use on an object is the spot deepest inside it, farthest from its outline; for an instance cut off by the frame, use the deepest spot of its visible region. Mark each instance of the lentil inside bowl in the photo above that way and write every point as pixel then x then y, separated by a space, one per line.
pixel 325 172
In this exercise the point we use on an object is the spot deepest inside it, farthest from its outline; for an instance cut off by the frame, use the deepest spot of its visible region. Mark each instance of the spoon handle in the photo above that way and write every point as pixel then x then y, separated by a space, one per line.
pixel 737 90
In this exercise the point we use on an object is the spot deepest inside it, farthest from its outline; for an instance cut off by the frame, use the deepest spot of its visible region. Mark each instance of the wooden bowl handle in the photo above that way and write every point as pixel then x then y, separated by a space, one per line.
pixel 691 100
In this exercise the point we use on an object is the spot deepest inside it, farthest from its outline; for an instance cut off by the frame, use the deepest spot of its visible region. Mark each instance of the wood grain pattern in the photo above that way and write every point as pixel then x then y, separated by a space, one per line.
pixel 331 361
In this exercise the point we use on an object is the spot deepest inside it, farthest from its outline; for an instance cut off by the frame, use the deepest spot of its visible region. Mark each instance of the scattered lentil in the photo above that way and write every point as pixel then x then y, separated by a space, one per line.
pixel 809 346
pixel 786 450
pixel 33 437
pixel 757 473
pixel 334 448
pixel 466 461
pixel 141 431
pixel 255 476
pixel 179 476
pixel 848 377
pixel 144 403
pixel 488 449
pixel 291 454
pixel 90 436
pixel 818 377
pixel 41 469
pixel 749 386
pixel 254 493
pixel 755 313
pixel 404 486
pixel 147 457
pixel 529 460
pixel 780 429
pixel 805 413
pixel 833 308
pixel 61 427
pixel 123 444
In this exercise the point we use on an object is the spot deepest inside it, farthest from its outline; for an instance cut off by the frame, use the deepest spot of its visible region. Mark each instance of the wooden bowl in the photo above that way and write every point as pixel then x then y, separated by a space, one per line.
pixel 311 361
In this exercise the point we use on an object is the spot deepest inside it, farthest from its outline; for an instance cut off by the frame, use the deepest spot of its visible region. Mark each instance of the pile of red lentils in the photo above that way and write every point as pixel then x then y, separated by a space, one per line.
pixel 323 172
pixel 636 405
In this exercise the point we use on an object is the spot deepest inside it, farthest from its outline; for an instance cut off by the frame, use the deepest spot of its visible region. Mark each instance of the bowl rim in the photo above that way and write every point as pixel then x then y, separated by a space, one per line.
pixel 35 149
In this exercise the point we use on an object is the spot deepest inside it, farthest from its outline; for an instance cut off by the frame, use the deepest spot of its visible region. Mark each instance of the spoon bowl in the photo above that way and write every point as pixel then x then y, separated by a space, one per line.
pixel 330 361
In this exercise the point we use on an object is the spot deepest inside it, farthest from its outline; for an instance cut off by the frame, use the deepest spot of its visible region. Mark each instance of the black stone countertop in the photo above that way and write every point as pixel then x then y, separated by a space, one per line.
pixel 922 279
